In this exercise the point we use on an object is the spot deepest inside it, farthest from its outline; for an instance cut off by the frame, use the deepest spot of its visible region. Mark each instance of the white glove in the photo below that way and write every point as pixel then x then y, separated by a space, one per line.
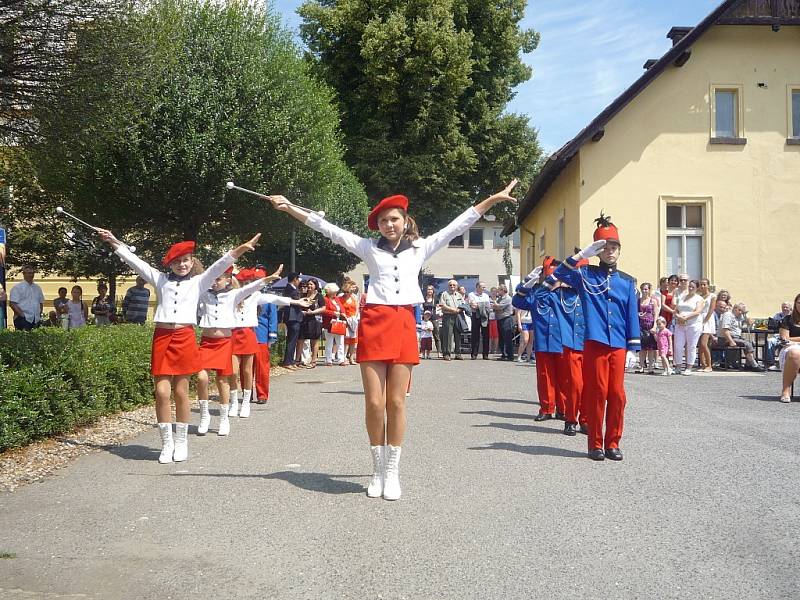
pixel 592 249
pixel 630 360
pixel 533 277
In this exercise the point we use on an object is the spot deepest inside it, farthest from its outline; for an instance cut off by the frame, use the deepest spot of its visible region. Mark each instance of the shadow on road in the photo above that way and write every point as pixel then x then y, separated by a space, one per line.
pixel 314 482
pixel 533 450
pixel 349 392
pixel 133 452
pixel 517 427
pixel 502 415
pixel 502 400
pixel 773 398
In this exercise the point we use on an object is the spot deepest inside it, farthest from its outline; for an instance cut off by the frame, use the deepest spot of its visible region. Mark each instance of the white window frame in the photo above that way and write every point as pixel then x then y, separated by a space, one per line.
pixel 739 125
pixel 791 89
pixel 706 232
pixel 542 240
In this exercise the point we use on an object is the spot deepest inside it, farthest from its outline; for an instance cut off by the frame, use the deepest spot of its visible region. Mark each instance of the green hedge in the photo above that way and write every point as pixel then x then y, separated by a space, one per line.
pixel 52 380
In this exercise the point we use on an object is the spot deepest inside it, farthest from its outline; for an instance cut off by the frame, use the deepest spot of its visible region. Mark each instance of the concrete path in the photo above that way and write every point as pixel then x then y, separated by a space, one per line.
pixel 706 503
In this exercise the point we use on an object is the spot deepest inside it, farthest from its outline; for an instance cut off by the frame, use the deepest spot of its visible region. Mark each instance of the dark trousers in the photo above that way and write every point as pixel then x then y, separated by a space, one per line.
pixel 505 329
pixel 292 335
pixel 476 333
pixel 22 324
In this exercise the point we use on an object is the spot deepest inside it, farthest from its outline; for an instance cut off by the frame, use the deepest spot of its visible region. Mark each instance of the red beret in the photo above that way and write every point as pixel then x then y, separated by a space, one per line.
pixel 229 270
pixel 258 273
pixel 397 201
pixel 244 274
pixel 176 251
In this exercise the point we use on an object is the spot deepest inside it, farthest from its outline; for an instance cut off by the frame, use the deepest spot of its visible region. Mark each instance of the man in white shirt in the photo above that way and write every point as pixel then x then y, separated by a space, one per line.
pixel 27 302
pixel 480 303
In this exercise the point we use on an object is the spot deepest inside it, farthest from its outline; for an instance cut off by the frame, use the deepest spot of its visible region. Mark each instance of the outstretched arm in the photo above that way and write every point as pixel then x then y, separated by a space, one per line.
pixel 349 241
pixel 466 219
pixel 208 276
pixel 148 273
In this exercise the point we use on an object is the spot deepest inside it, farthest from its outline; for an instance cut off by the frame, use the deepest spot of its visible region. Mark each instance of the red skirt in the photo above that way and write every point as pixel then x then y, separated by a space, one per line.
pixel 388 334
pixel 244 341
pixel 217 353
pixel 174 352
pixel 493 332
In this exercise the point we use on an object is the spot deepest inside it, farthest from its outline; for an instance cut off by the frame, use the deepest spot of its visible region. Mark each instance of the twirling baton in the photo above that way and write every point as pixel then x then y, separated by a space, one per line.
pixel 61 211
pixel 230 185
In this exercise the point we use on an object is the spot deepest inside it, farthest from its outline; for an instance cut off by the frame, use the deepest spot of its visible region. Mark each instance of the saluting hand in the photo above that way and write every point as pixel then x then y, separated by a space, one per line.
pixel 593 249
pixel 246 247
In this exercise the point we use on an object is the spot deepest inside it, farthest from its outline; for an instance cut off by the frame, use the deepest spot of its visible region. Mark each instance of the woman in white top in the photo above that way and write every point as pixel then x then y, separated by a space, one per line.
pixel 688 326
pixel 387 331
pixel 709 324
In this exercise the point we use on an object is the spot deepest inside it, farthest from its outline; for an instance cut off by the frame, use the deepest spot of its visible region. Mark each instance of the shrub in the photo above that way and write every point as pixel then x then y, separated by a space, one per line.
pixel 52 380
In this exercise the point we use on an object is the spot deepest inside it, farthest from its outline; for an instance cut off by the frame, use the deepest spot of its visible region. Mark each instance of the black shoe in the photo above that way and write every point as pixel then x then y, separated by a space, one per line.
pixel 755 368
pixel 584 429
pixel 473 357
pixel 543 417
pixel 613 454
pixel 560 416
pixel 570 429
pixel 261 401
pixel 597 454
pixel 457 357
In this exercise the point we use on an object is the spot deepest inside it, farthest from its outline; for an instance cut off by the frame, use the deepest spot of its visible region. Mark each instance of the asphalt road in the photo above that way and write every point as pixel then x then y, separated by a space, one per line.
pixel 705 504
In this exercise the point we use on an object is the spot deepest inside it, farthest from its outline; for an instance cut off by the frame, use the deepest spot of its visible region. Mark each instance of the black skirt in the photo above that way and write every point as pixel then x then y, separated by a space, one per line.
pixel 310 329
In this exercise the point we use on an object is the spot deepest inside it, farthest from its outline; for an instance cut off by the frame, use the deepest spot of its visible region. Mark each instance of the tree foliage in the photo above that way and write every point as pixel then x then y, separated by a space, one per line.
pixel 422 86
pixel 197 94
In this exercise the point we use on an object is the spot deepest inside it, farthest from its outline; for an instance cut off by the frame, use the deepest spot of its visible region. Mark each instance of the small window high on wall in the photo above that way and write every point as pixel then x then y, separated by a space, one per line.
pixel 726 115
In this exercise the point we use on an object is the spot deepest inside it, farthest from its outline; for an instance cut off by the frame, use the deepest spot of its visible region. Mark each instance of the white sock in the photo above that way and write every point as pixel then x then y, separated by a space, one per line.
pixel 234 396
pixel 246 395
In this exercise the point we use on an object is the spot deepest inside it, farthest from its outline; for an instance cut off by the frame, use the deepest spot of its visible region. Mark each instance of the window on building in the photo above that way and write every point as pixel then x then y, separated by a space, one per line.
pixel 796 113
pixel 561 239
pixel 456 242
pixel 541 245
pixel 726 113
pixel 476 237
pixel 499 241
pixel 685 239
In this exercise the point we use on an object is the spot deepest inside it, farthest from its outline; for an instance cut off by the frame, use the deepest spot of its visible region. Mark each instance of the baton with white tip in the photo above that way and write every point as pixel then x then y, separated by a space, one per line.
pixel 61 211
pixel 231 186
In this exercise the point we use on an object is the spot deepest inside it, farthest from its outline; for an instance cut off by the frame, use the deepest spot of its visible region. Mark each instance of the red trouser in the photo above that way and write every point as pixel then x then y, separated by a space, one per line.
pixel 604 393
pixel 570 375
pixel 261 370
pixel 546 376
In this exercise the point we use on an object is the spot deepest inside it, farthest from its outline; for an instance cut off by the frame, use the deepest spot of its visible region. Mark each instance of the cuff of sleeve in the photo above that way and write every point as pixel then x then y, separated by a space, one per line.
pixel 314 220
pixel 550 282
pixel 123 251
pixel 571 262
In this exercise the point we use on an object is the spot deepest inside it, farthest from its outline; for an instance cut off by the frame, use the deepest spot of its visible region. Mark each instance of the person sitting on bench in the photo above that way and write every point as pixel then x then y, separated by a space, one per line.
pixel 729 335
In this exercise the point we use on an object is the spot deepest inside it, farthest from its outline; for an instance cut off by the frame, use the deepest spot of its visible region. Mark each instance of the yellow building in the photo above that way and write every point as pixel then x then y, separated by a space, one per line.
pixel 697 163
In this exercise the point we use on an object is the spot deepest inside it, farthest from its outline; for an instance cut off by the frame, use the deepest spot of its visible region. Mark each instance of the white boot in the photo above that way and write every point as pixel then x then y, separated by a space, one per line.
pixel 233 409
pixel 375 489
pixel 391 484
pixel 244 410
pixel 224 420
pixel 181 443
pixel 205 418
pixel 167 444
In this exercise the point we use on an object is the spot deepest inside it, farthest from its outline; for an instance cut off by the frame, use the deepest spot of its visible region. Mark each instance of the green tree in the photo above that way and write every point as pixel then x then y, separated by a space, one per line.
pixel 198 94
pixel 422 86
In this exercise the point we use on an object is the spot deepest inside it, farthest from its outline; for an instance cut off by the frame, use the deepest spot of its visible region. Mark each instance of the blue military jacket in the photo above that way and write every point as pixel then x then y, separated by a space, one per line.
pixel 544 314
pixel 570 317
pixel 267 328
pixel 610 305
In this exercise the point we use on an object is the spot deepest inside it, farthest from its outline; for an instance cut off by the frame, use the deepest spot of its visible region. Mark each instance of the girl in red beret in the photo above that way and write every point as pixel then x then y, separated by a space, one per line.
pixel 174 358
pixel 387 331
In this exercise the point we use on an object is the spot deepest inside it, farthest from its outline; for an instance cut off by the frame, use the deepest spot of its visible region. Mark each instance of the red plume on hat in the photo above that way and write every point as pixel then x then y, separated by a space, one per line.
pixel 549 265
pixel 178 250
pixel 606 230
pixel 397 201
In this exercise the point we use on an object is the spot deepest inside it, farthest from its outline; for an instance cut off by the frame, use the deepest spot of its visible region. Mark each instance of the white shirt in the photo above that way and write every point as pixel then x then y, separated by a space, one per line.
pixel 686 304
pixel 393 276
pixel 473 297
pixel 177 298
pixel 219 310
pixel 247 315
pixel 29 298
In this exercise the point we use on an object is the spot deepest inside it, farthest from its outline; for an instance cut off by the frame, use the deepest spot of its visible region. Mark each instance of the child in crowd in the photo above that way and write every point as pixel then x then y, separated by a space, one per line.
pixel 61 304
pixel 426 335
pixel 664 340
pixel 77 312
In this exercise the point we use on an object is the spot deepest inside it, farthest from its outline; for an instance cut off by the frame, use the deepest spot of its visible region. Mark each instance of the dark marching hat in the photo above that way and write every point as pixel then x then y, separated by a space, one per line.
pixel 397 201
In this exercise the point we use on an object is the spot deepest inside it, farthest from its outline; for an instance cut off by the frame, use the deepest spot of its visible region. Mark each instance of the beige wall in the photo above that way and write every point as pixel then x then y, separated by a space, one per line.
pixel 656 151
